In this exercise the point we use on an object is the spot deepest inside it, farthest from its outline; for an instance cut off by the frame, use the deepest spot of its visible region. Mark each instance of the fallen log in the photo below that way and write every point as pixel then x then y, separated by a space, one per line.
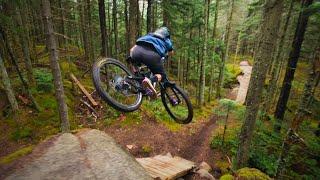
pixel 84 91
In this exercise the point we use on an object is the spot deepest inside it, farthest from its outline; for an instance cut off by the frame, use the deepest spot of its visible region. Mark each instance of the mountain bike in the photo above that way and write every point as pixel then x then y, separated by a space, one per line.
pixel 122 88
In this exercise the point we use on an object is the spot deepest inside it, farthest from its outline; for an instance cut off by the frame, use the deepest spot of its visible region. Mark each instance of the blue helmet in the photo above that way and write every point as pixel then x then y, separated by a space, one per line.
pixel 162 32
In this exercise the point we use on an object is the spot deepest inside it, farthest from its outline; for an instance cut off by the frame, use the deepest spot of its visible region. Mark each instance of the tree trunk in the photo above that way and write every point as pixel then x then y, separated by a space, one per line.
pixel 237 47
pixel 90 31
pixel 109 32
pixel 51 45
pixel 104 37
pixel 127 26
pixel 25 46
pixel 226 52
pixel 149 16
pixel 298 119
pixel 268 30
pixel 277 62
pixel 84 29
pixel 14 60
pixel 205 52
pixel 291 66
pixel 7 86
pixel 155 16
pixel 62 39
pixel 213 49
pixel 115 28
pixel 141 18
pixel 138 19
pixel 133 18
pixel 165 13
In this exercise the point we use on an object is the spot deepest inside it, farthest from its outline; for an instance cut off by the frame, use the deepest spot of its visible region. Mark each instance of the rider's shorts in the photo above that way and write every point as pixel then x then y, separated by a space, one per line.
pixel 146 54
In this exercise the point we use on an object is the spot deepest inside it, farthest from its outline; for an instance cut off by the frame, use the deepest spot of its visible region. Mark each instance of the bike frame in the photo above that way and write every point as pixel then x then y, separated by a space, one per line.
pixel 138 76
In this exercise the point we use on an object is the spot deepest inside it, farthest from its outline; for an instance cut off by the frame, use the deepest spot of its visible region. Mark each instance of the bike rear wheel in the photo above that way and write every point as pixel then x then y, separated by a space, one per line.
pixel 110 78
pixel 177 104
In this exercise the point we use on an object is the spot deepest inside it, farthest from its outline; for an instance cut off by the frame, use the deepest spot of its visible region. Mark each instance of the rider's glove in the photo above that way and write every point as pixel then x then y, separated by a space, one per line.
pixel 163 59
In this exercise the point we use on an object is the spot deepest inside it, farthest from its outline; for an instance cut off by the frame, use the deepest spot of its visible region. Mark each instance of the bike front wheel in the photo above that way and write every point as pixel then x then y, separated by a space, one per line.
pixel 110 78
pixel 177 104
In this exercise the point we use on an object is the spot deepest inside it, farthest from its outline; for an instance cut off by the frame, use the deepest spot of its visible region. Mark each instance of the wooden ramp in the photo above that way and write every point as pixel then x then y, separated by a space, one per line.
pixel 166 167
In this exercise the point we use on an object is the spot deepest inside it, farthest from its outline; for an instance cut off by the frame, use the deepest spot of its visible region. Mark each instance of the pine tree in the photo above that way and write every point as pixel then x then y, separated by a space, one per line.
pixel 103 30
pixel 268 30
pixel 8 87
pixel 291 66
pixel 51 45
pixel 226 52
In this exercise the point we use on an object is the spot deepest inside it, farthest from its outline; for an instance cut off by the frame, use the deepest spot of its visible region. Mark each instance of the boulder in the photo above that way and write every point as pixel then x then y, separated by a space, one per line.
pixel 206 166
pixel 89 154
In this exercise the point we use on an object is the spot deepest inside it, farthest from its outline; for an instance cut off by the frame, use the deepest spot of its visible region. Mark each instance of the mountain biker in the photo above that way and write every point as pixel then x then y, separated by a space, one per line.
pixel 151 50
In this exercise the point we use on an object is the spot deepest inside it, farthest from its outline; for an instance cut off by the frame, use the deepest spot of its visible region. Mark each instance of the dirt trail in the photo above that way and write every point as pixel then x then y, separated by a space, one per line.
pixel 192 141
pixel 198 148
pixel 244 81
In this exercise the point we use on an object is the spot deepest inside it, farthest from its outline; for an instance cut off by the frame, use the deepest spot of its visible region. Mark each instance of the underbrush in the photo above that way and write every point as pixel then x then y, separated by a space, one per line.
pixel 302 161
pixel 230 75
pixel 229 120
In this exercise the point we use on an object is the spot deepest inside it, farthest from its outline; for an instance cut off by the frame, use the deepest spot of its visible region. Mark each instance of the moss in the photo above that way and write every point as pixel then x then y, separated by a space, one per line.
pixel 156 110
pixel 13 156
pixel 227 177
pixel 44 80
pixel 252 173
pixel 205 111
pixel 223 166
pixel 21 133
pixel 129 119
pixel 67 67
pixel 146 149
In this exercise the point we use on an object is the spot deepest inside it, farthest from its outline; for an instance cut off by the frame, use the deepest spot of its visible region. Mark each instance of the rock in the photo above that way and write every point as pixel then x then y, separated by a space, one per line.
pixel 206 166
pixel 169 155
pixel 130 146
pixel 244 80
pixel 90 154
pixel 244 63
pixel 205 174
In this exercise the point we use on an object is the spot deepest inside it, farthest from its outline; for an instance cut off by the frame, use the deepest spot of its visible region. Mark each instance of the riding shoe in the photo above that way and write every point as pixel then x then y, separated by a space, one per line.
pixel 151 91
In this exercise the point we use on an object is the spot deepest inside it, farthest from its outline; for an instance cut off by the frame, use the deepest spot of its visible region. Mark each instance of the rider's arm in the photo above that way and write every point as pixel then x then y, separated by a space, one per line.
pixel 169 45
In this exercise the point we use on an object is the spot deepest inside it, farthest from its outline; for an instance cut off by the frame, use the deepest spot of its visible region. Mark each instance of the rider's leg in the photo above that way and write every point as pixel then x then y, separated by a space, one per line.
pixel 149 57
pixel 156 78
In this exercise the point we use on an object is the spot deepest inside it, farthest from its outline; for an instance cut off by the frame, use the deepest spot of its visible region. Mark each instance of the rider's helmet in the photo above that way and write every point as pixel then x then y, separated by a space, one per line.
pixel 163 32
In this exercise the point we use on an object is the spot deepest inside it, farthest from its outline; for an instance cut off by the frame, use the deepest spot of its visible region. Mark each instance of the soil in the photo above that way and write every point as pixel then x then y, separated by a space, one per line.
pixel 151 138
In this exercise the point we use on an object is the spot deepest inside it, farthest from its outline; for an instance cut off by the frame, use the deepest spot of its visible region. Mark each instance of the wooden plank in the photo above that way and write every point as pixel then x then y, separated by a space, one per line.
pixel 162 168
pixel 84 91
pixel 153 169
pixel 177 163
pixel 165 167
